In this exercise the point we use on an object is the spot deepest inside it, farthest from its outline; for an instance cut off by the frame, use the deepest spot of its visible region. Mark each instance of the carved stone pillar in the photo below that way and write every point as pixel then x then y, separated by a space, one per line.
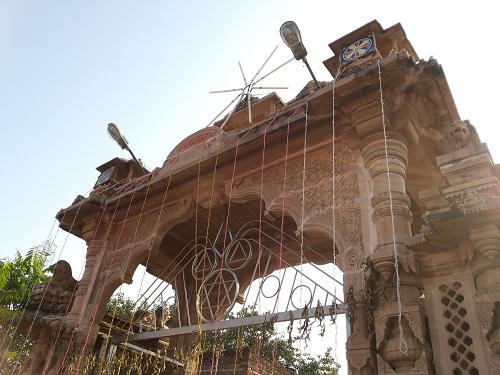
pixel 485 265
pixel 386 162
pixel 360 354
pixel 78 324
pixel 93 258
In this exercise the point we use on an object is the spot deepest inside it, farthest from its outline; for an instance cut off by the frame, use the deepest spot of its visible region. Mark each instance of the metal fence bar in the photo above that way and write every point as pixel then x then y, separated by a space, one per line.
pixel 227 324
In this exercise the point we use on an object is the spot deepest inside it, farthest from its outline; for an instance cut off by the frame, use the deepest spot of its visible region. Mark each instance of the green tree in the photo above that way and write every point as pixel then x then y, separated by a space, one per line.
pixel 17 278
pixel 271 344
pixel 324 364
pixel 121 305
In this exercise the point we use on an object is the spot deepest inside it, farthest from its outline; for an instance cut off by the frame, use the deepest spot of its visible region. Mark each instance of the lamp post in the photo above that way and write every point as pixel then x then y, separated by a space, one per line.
pixel 115 133
pixel 290 34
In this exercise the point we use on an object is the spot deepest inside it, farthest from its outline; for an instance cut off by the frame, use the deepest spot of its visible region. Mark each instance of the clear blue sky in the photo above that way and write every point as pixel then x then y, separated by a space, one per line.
pixel 68 68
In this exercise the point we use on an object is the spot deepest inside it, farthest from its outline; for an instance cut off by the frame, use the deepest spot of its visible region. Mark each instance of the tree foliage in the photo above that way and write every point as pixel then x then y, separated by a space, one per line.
pixel 17 278
pixel 121 305
pixel 271 344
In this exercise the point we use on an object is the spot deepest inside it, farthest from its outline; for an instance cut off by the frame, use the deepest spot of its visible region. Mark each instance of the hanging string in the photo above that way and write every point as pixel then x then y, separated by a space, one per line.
pixel 199 356
pixel 403 346
pixel 82 353
pixel 199 317
pixel 261 210
pixel 127 263
pixel 172 165
pixel 302 220
pixel 334 229
pixel 224 243
pixel 107 276
pixel 282 223
pixel 68 307
pixel 87 296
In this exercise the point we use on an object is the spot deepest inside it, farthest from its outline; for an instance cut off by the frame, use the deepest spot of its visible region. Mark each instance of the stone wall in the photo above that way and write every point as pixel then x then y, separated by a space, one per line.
pixel 245 362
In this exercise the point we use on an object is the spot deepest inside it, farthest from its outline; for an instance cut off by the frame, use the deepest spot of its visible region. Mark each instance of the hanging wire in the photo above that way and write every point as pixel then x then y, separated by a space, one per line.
pixel 282 223
pixel 334 229
pixel 87 296
pixel 107 276
pixel 302 219
pixel 172 166
pixel 226 229
pixel 199 356
pixel 82 353
pixel 403 346
pixel 261 210
pixel 68 307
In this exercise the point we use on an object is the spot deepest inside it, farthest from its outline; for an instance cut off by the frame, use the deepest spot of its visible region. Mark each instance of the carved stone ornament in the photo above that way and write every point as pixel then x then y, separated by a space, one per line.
pixel 358 350
pixel 466 250
pixel 422 366
pixel 318 194
pixel 380 329
pixel 470 198
pixel 489 247
pixel 383 367
pixel 494 362
pixel 485 313
pixel 416 322
pixel 352 258
pixel 459 134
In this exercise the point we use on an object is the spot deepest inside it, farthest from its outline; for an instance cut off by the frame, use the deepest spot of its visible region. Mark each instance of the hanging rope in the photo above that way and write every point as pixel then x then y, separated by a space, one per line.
pixel 403 346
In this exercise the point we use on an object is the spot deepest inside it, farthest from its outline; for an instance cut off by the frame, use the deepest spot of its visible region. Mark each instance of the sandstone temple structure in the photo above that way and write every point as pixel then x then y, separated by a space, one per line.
pixel 374 171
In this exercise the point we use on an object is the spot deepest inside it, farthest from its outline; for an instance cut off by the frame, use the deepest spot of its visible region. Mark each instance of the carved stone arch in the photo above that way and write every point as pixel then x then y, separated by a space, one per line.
pixel 245 189
pixel 173 214
pixel 114 280
pixel 105 284
pixel 287 208
pixel 313 194
pixel 136 256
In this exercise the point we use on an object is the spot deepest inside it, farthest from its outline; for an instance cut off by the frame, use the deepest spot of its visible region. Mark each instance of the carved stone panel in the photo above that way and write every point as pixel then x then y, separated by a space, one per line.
pixel 313 194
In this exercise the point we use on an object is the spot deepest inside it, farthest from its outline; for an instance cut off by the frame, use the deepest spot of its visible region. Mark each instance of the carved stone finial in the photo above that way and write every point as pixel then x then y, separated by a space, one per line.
pixel 489 247
pixel 459 134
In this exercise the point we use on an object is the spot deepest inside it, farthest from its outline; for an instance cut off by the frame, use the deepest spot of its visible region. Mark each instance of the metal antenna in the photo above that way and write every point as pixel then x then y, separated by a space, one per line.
pixel 247 89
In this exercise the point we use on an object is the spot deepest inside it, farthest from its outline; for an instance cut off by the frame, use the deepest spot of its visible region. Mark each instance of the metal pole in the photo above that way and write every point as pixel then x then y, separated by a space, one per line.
pixel 137 161
pixel 310 71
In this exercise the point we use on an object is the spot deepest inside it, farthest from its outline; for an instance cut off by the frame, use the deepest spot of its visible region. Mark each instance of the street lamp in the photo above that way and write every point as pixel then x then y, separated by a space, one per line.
pixel 115 133
pixel 290 34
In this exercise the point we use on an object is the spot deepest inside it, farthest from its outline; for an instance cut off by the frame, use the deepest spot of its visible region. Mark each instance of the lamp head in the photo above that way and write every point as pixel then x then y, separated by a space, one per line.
pixel 115 133
pixel 290 34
